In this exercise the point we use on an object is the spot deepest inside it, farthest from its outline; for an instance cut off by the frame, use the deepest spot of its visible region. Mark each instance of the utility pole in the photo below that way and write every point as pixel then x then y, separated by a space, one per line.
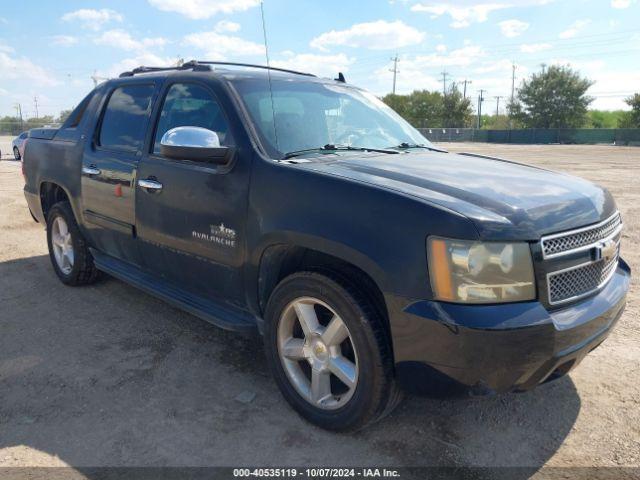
pixel 19 112
pixel 497 97
pixel 480 100
pixel 513 82
pixel 444 74
pixel 35 102
pixel 96 79
pixel 395 71
pixel 464 91
pixel 513 92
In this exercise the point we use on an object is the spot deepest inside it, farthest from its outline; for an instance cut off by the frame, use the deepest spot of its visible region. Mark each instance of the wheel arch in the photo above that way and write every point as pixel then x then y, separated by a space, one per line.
pixel 279 260
pixel 52 193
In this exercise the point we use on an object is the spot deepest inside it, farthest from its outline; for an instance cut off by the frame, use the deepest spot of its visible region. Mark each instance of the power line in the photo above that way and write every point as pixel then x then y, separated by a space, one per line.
pixel 35 102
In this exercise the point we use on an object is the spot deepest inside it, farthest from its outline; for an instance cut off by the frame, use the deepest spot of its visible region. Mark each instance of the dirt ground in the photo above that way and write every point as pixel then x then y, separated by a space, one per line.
pixel 109 376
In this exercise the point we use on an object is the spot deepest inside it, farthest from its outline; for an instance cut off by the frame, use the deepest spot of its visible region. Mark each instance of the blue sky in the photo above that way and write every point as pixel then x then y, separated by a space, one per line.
pixel 50 50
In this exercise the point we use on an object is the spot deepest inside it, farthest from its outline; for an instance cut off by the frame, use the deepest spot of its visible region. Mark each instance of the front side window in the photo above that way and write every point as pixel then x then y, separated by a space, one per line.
pixel 307 114
pixel 190 105
pixel 125 118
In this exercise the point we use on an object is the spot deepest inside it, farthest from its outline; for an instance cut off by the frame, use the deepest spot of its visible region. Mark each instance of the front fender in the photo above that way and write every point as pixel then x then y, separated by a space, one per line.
pixel 377 230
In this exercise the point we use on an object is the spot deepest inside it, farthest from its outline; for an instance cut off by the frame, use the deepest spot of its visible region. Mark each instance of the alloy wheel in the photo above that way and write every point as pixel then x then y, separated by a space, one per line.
pixel 317 353
pixel 62 244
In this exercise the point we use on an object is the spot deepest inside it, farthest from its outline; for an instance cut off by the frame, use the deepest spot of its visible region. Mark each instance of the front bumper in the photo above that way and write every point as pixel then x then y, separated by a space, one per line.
pixel 500 348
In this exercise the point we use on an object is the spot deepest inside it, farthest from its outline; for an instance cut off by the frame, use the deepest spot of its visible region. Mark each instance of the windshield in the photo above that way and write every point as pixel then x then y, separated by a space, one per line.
pixel 309 115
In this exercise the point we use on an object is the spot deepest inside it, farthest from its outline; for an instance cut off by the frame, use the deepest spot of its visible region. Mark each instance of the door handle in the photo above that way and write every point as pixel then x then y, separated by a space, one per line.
pixel 90 170
pixel 150 184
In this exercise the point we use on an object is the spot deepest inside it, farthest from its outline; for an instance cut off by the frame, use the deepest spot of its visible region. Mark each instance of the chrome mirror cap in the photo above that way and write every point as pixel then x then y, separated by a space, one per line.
pixel 195 137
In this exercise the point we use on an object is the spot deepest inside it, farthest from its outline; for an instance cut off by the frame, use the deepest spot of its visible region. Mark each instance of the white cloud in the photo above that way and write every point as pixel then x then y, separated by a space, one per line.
pixel 203 9
pixel 495 66
pixel 462 15
pixel 574 28
pixel 622 3
pixel 123 40
pixel 92 19
pixel 217 46
pixel 441 48
pixel 513 28
pixel 23 68
pixel 535 47
pixel 142 59
pixel 419 72
pixel 64 40
pixel 461 57
pixel 378 35
pixel 226 26
pixel 322 65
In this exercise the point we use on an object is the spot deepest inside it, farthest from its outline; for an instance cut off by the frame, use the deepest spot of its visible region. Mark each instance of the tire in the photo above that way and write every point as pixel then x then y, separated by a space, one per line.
pixel 76 268
pixel 373 392
pixel 16 153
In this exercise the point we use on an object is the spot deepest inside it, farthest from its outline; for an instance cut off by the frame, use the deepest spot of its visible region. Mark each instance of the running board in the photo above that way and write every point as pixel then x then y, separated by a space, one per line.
pixel 212 312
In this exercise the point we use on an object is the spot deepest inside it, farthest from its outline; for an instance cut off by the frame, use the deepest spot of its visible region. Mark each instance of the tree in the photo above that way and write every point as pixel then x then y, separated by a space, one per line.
pixel 554 98
pixel 456 111
pixel 604 118
pixel 423 108
pixel 631 119
pixel 64 114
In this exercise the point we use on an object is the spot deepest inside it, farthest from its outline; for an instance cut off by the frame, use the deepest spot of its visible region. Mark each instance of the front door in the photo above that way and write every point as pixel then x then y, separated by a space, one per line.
pixel 191 226
pixel 109 164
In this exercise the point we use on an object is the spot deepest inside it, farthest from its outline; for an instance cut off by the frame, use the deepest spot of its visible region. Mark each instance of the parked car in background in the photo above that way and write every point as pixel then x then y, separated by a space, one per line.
pixel 17 145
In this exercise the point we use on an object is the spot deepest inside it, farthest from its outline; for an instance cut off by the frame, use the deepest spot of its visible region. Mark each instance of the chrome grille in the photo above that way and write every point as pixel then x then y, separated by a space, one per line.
pixel 580 239
pixel 579 281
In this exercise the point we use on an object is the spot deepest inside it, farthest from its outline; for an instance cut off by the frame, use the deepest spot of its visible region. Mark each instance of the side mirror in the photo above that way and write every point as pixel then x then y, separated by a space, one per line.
pixel 194 143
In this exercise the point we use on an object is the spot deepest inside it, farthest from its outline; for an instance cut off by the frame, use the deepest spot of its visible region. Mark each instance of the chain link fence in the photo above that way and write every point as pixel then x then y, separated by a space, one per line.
pixel 613 136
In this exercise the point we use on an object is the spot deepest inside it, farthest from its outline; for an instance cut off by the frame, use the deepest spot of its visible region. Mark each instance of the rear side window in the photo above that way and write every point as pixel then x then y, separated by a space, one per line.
pixel 194 106
pixel 76 116
pixel 125 118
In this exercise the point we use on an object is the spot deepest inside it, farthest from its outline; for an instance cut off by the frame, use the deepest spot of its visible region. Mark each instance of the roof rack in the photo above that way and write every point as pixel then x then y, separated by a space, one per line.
pixel 198 66
pixel 252 65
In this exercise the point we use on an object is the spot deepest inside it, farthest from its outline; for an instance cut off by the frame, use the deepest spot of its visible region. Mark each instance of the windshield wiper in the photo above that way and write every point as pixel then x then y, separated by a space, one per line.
pixel 406 146
pixel 329 147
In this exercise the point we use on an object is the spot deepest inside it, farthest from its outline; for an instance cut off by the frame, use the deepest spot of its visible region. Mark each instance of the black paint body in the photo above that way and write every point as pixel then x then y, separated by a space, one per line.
pixel 372 211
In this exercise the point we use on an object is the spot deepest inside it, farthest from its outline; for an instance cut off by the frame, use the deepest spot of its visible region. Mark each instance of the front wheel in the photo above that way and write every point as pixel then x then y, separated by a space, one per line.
pixel 329 352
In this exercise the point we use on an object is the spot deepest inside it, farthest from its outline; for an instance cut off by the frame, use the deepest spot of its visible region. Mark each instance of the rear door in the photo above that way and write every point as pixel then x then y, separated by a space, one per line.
pixel 109 168
pixel 192 229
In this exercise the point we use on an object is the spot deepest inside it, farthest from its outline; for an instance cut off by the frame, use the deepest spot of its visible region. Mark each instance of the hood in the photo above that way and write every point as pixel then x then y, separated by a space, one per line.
pixel 505 200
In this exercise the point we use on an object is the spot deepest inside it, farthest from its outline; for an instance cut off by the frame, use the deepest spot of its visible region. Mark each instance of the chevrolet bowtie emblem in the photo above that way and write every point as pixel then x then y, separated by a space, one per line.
pixel 606 250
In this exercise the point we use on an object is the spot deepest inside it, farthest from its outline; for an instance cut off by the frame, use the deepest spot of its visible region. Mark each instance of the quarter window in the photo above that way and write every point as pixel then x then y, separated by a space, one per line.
pixel 125 118
pixel 191 105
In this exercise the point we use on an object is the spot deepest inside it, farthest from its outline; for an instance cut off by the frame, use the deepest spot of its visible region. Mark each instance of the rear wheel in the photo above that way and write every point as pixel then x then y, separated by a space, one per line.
pixel 16 153
pixel 329 352
pixel 69 253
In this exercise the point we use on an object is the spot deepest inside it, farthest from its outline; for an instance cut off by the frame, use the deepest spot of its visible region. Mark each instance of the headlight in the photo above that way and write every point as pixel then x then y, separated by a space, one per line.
pixel 466 271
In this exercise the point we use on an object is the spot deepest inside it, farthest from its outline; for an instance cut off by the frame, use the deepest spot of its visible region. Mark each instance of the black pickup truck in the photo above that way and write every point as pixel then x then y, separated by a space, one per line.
pixel 307 210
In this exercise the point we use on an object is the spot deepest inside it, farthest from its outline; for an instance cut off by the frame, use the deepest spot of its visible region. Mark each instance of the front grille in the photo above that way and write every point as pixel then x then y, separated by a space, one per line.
pixel 579 281
pixel 583 238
